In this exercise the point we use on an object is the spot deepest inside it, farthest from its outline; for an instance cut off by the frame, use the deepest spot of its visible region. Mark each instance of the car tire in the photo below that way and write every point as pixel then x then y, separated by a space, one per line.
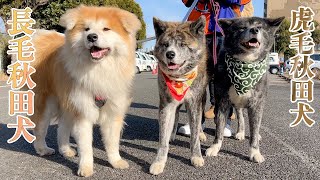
pixel 316 72
pixel 137 70
pixel 149 68
pixel 274 70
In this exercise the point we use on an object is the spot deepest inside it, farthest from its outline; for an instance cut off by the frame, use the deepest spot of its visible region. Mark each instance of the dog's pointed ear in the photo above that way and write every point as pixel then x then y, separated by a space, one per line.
pixel 69 19
pixel 274 23
pixel 159 26
pixel 225 23
pixel 197 27
pixel 130 22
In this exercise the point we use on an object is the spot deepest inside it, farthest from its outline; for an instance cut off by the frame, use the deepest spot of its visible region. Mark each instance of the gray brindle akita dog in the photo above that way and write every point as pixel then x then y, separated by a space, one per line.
pixel 240 77
pixel 182 79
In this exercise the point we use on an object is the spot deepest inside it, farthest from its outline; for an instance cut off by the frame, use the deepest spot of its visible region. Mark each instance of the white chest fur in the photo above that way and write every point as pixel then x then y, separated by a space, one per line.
pixel 240 101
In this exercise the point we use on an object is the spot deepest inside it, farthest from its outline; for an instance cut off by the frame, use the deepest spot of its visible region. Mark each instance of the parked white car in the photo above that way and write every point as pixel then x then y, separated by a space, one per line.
pixel 139 64
pixel 316 66
pixel 274 63
pixel 154 61
pixel 146 61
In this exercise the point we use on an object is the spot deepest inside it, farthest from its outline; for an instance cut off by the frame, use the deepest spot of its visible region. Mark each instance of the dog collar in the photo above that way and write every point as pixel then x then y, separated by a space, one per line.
pixel 244 76
pixel 99 101
pixel 178 86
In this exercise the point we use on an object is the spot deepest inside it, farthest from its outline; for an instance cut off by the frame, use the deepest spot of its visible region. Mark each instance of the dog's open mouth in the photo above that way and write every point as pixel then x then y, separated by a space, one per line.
pixel 252 43
pixel 98 53
pixel 173 66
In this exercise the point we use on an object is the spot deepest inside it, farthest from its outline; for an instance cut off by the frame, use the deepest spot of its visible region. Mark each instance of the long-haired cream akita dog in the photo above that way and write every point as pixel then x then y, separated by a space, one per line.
pixel 181 50
pixel 84 77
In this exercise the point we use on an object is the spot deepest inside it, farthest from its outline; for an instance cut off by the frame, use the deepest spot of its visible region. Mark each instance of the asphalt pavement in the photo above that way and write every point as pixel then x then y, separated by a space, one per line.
pixel 290 153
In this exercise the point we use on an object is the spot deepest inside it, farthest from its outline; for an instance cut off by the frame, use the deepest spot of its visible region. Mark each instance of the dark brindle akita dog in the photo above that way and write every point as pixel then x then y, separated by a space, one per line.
pixel 181 51
pixel 241 77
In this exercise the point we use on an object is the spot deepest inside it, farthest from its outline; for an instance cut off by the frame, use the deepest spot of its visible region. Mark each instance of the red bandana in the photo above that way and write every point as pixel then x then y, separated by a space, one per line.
pixel 178 87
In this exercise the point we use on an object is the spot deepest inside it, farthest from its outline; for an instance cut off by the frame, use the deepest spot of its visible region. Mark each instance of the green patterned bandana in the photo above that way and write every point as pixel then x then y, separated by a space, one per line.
pixel 244 76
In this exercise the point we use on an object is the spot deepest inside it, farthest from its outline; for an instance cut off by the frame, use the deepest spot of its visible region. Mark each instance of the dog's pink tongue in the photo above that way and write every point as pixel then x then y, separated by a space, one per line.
pixel 256 44
pixel 99 53
pixel 173 66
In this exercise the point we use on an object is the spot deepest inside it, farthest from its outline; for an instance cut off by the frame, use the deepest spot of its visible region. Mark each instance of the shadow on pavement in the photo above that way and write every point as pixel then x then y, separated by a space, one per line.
pixel 144 106
pixel 141 128
pixel 136 128
pixel 23 146
pixel 240 156
pixel 147 106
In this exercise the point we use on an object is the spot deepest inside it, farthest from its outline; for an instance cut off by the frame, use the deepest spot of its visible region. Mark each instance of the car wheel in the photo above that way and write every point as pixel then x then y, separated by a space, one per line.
pixel 274 70
pixel 149 68
pixel 137 70
pixel 316 72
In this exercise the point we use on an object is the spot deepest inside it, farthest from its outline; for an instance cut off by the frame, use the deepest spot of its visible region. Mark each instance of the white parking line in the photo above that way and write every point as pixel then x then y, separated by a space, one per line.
pixel 5 86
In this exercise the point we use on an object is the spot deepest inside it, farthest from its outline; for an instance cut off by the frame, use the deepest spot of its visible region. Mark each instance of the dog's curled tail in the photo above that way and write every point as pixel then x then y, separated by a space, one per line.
pixel 46 43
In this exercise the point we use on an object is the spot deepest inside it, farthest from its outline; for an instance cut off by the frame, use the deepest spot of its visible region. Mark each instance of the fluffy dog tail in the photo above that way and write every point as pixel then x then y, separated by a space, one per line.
pixel 46 43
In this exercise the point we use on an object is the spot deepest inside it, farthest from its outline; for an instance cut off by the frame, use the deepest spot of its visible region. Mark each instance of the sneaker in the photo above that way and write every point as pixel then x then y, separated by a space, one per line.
pixel 185 129
pixel 227 131
pixel 233 116
pixel 210 113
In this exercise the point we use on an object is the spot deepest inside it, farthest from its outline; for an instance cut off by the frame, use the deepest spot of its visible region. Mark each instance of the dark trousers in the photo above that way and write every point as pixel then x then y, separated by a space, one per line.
pixel 210 66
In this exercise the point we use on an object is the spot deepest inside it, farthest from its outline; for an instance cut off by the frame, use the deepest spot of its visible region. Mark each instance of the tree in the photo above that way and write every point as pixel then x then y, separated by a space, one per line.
pixel 283 38
pixel 48 12
pixel 316 33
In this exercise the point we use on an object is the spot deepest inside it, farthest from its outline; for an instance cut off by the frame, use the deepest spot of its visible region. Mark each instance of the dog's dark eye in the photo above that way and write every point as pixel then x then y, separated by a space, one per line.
pixel 87 29
pixel 106 29
pixel 259 27
pixel 183 44
pixel 166 45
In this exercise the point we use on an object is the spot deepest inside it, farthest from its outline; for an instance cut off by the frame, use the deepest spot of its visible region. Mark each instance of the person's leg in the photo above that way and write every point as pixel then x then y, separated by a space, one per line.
pixel 227 130
pixel 210 65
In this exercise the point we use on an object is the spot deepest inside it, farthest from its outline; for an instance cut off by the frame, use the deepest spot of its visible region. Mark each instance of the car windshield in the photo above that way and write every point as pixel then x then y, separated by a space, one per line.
pixel 271 59
pixel 315 57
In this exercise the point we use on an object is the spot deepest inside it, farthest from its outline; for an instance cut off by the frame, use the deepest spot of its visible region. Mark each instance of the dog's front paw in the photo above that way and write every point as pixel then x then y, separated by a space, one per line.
pixel 202 137
pixel 157 168
pixel 68 152
pixel 197 161
pixel 121 164
pixel 256 156
pixel 85 170
pixel 213 150
pixel 45 151
pixel 240 136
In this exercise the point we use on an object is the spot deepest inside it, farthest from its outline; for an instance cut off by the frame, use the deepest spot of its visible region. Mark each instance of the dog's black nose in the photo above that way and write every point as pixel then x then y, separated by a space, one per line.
pixel 170 54
pixel 254 30
pixel 92 37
